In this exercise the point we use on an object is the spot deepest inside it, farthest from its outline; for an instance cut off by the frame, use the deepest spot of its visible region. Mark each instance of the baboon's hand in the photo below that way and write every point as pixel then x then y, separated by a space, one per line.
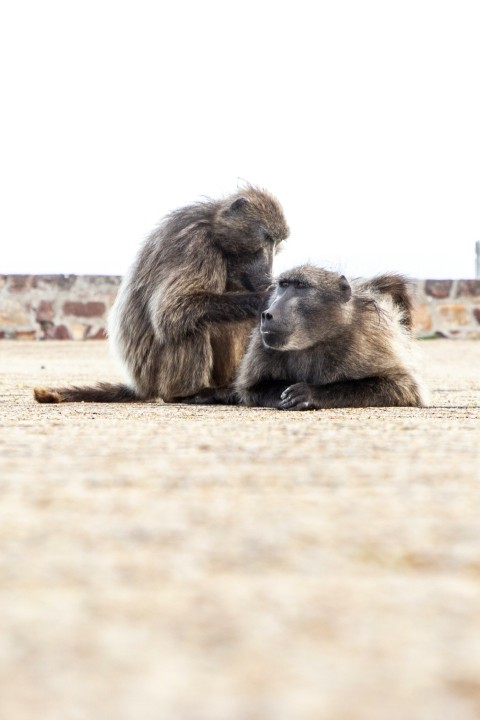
pixel 300 396
pixel 261 298
pixel 265 285
pixel 256 284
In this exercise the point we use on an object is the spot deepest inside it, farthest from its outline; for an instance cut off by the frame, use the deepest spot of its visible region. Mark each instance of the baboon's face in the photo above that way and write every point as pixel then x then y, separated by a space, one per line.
pixel 251 271
pixel 249 230
pixel 308 305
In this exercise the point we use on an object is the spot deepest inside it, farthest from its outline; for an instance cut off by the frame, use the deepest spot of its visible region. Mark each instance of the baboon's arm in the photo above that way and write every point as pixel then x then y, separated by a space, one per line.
pixel 396 391
pixel 180 315
pixel 226 307
pixel 266 393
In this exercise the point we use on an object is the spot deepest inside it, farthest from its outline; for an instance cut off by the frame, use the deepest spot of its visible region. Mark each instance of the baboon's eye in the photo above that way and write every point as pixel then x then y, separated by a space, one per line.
pixel 300 285
pixel 268 237
pixel 283 283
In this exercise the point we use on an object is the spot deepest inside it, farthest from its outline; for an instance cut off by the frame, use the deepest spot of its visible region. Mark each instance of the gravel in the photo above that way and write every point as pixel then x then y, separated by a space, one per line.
pixel 186 563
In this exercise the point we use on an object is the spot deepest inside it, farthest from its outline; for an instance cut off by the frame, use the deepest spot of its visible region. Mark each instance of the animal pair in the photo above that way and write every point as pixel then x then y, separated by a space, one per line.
pixel 186 309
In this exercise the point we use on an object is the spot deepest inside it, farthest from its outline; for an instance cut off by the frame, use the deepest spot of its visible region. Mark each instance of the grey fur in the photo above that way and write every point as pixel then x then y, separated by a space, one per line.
pixel 185 310
pixel 323 342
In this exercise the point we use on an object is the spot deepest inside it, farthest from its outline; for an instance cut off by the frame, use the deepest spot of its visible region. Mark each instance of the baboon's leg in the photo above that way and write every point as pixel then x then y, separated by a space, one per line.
pixel 210 396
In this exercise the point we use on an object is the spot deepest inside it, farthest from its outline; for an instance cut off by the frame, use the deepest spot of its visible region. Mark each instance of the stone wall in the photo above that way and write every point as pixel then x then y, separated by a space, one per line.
pixel 75 307
pixel 447 308
pixel 59 307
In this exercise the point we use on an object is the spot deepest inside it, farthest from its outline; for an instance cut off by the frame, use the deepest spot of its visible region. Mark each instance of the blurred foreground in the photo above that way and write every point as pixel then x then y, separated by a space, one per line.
pixel 177 563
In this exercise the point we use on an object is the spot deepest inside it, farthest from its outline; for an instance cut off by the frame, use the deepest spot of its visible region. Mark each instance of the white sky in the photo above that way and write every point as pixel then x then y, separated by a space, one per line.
pixel 362 117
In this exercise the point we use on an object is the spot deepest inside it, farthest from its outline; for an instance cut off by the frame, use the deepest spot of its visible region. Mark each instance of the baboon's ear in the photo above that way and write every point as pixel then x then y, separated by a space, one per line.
pixel 345 287
pixel 238 204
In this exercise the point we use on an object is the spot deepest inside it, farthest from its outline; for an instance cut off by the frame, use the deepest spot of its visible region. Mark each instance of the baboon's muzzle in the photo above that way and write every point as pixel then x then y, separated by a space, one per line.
pixel 274 335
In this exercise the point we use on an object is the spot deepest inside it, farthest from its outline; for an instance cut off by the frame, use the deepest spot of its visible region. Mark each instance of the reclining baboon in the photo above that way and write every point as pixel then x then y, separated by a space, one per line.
pixel 325 343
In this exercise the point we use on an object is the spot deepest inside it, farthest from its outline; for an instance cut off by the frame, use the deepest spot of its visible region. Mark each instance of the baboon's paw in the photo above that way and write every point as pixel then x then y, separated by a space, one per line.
pixel 297 397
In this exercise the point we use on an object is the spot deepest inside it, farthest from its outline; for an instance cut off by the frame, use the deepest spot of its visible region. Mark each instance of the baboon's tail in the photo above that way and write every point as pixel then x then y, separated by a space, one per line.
pixel 102 392
pixel 398 287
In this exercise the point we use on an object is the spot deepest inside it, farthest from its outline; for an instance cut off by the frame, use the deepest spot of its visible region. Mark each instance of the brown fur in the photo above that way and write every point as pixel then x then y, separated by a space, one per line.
pixel 398 287
pixel 325 343
pixel 182 317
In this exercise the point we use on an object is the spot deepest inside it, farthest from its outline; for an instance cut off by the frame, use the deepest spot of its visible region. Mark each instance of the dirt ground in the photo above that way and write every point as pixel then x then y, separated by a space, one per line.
pixel 177 563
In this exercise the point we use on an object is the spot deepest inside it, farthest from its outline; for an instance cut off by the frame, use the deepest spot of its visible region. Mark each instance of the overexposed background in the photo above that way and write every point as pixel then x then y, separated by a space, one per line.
pixel 362 117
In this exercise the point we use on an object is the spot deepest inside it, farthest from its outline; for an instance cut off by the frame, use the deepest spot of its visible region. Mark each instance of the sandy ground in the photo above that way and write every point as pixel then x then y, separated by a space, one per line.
pixel 177 563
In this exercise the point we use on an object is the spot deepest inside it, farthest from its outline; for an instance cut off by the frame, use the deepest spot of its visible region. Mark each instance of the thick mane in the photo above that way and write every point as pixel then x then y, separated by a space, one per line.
pixel 200 213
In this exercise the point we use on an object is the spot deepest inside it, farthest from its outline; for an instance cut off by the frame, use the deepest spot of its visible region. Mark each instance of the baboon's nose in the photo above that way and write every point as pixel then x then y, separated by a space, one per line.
pixel 267 316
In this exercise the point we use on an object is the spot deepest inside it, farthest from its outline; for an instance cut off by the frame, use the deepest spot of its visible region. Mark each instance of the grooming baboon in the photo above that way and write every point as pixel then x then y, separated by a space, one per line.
pixel 183 314
pixel 326 343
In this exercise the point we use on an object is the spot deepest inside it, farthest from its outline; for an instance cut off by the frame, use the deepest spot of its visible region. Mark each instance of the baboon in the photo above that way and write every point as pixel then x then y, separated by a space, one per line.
pixel 326 343
pixel 181 321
